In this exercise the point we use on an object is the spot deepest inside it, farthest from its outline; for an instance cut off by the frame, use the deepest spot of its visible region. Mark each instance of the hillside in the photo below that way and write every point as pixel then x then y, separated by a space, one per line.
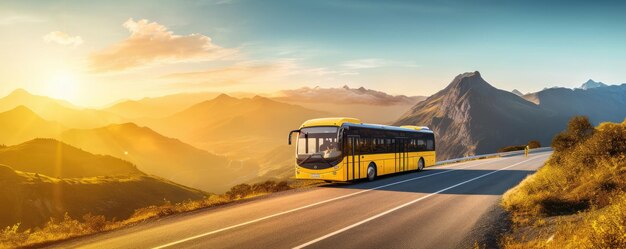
pixel 57 110
pixel 56 159
pixel 21 124
pixel 166 157
pixel 32 199
pixel 471 117
pixel 578 199
pixel 370 105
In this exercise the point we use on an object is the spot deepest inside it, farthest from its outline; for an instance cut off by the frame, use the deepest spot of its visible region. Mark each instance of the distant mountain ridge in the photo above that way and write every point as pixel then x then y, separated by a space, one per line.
pixel 601 103
pixel 345 94
pixel 57 110
pixel 367 104
pixel 592 84
pixel 159 107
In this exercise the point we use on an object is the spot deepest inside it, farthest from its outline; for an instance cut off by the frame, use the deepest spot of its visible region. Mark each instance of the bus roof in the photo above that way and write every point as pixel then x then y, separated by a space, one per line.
pixel 329 122
pixel 394 128
pixel 341 121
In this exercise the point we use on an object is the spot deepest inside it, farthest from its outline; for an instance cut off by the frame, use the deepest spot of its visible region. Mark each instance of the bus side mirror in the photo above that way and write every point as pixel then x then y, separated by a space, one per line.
pixel 291 132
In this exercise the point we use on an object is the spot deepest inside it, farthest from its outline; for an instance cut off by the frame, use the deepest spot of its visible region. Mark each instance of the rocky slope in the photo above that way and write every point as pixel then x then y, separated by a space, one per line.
pixel 471 117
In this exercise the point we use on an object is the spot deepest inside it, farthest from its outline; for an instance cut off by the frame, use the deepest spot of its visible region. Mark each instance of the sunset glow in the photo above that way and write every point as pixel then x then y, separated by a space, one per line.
pixel 64 86
pixel 120 51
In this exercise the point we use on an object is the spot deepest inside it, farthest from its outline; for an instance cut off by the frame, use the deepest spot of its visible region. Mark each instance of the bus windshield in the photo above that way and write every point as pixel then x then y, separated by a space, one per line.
pixel 317 144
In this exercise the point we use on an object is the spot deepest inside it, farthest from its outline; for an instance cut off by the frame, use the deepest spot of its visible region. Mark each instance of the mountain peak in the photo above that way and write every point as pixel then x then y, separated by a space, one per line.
pixel 592 84
pixel 467 81
pixel 223 96
pixel 259 98
pixel 19 92
pixel 22 111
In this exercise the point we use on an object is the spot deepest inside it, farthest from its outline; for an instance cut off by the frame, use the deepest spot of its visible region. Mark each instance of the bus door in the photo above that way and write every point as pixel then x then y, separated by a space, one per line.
pixel 353 159
pixel 401 154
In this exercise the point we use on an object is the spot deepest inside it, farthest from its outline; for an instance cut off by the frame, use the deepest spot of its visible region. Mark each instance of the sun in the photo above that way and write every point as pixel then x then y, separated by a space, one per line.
pixel 64 85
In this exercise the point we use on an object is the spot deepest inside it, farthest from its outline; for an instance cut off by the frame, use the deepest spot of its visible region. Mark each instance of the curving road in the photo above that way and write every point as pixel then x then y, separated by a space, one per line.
pixel 436 208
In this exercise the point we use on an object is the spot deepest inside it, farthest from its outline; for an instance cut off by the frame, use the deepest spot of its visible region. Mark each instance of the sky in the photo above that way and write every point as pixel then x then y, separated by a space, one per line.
pixel 93 53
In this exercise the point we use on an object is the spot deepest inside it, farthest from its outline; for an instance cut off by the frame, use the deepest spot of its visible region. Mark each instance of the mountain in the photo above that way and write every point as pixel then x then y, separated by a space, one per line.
pixel 591 84
pixel 21 124
pixel 160 107
pixel 471 117
pixel 166 157
pixel 57 159
pixel 517 92
pixel 22 97
pixel 345 94
pixel 31 199
pixel 227 118
pixel 369 105
pixel 57 110
pixel 600 104
pixel 241 128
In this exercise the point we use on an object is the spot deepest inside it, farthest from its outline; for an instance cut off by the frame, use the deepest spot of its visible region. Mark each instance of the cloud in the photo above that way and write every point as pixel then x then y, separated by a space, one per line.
pixel 151 43
pixel 62 38
pixel 376 63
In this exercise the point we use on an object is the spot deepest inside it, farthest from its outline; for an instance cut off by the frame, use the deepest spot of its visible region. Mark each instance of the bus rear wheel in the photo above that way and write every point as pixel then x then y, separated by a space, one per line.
pixel 371 172
pixel 420 164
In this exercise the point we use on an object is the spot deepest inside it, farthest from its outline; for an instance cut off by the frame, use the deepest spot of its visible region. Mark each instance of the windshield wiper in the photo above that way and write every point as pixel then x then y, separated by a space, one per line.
pixel 309 157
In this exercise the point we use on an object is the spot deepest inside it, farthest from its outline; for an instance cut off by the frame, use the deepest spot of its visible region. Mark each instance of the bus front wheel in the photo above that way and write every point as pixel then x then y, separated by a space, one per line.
pixel 371 172
pixel 420 164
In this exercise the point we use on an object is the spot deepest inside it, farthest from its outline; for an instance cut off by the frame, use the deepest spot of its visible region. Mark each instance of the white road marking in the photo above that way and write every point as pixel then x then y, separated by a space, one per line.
pixel 405 204
pixel 318 203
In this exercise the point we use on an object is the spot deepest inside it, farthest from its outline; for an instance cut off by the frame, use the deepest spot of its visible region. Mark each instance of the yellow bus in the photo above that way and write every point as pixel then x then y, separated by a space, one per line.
pixel 344 149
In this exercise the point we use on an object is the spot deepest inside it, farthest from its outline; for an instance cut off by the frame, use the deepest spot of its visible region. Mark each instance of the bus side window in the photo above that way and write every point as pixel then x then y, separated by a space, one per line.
pixel 421 145
pixel 430 143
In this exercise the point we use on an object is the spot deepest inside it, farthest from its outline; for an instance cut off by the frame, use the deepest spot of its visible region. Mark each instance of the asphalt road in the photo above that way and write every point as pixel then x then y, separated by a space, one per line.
pixel 436 208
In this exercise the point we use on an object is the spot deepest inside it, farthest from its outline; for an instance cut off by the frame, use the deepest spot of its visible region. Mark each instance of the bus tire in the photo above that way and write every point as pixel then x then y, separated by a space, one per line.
pixel 371 172
pixel 420 164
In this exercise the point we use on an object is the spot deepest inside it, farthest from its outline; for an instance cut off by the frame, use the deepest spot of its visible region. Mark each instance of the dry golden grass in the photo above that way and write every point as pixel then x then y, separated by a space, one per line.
pixel 69 227
pixel 578 199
